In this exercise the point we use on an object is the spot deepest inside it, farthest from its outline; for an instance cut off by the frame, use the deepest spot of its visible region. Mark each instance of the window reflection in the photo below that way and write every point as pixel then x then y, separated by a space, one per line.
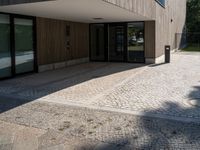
pixel 24 45
pixel 5 56
pixel 136 42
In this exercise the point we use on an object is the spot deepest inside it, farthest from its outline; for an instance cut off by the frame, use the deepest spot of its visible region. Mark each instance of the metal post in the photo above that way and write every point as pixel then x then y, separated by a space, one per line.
pixel 167 53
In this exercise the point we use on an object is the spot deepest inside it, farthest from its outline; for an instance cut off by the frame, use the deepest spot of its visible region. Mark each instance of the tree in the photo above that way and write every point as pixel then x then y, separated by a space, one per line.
pixel 193 16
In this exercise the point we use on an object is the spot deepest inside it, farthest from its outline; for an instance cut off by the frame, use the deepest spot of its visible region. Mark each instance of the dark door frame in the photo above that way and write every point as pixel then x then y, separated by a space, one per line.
pixel 12 43
pixel 106 36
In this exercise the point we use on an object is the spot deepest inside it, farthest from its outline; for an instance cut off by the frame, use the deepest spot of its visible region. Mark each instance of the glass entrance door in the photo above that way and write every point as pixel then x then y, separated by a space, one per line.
pixel 17 48
pixel 24 48
pixel 119 42
pixel 97 42
pixel 135 33
pixel 116 48
pixel 5 52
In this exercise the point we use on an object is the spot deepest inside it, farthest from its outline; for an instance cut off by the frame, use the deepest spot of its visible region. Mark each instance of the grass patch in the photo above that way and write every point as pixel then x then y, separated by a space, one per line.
pixel 192 48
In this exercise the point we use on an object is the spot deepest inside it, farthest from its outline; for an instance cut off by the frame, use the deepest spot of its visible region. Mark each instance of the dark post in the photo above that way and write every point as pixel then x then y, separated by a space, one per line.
pixel 167 53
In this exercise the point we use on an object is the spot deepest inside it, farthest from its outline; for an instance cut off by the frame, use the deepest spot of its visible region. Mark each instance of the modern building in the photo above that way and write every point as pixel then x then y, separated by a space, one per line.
pixel 40 35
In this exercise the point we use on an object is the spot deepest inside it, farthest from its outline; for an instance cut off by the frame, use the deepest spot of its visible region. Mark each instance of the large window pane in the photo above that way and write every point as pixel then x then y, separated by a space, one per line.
pixel 97 42
pixel 5 56
pixel 116 42
pixel 24 52
pixel 136 42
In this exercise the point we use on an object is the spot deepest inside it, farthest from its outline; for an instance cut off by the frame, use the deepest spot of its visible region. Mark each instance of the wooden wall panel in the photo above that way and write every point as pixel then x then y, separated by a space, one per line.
pixel 169 21
pixel 150 39
pixel 52 41
pixel 141 7
pixel 165 29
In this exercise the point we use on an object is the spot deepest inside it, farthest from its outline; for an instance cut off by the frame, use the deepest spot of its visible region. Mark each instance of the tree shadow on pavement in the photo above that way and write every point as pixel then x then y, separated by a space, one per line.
pixel 171 127
pixel 195 94
pixel 22 90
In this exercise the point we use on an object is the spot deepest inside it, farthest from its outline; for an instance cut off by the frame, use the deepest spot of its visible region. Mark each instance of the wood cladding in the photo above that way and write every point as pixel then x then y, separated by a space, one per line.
pixel 150 42
pixel 168 21
pixel 141 7
pixel 55 45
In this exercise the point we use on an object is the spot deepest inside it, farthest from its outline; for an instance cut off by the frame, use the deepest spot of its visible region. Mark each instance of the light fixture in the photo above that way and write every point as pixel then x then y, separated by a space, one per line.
pixel 98 18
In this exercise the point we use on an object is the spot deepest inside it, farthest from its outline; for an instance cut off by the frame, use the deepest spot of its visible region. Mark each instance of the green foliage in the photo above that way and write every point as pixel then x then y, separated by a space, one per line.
pixel 192 48
pixel 193 15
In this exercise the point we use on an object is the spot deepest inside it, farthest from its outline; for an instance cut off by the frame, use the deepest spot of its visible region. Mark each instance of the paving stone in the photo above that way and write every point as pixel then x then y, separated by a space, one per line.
pixel 133 107
pixel 27 139
pixel 6 146
pixel 81 128
pixel 163 89
pixel 105 146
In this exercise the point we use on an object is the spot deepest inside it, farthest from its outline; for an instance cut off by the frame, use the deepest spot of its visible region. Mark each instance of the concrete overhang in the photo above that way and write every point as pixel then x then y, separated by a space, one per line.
pixel 75 10
pixel 13 2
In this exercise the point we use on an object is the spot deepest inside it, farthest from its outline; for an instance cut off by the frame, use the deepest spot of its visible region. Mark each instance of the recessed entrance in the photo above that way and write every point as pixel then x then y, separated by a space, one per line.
pixel 117 42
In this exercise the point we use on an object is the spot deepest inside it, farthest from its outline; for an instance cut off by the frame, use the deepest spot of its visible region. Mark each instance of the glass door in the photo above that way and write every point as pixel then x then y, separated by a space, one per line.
pixel 17 48
pixel 5 51
pixel 116 42
pixel 97 42
pixel 24 45
pixel 135 42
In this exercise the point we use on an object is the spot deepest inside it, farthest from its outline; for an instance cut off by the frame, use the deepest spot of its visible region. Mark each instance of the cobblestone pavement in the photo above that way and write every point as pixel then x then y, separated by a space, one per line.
pixel 50 126
pixel 120 106
pixel 163 90
pixel 157 90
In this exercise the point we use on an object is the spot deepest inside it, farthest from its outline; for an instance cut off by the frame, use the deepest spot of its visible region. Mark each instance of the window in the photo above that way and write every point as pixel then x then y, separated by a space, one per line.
pixel 161 2
pixel 97 43
pixel 5 55
pixel 17 48
pixel 135 33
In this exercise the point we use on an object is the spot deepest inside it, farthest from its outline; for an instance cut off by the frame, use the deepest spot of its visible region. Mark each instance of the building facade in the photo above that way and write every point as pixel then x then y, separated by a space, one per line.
pixel 40 35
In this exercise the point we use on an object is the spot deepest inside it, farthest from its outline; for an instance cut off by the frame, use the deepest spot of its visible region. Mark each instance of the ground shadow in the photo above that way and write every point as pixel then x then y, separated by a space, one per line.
pixel 195 94
pixel 42 84
pixel 163 131
pixel 157 129
pixel 156 65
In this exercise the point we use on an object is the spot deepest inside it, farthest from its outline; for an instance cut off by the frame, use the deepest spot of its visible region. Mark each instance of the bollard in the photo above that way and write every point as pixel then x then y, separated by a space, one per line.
pixel 167 53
